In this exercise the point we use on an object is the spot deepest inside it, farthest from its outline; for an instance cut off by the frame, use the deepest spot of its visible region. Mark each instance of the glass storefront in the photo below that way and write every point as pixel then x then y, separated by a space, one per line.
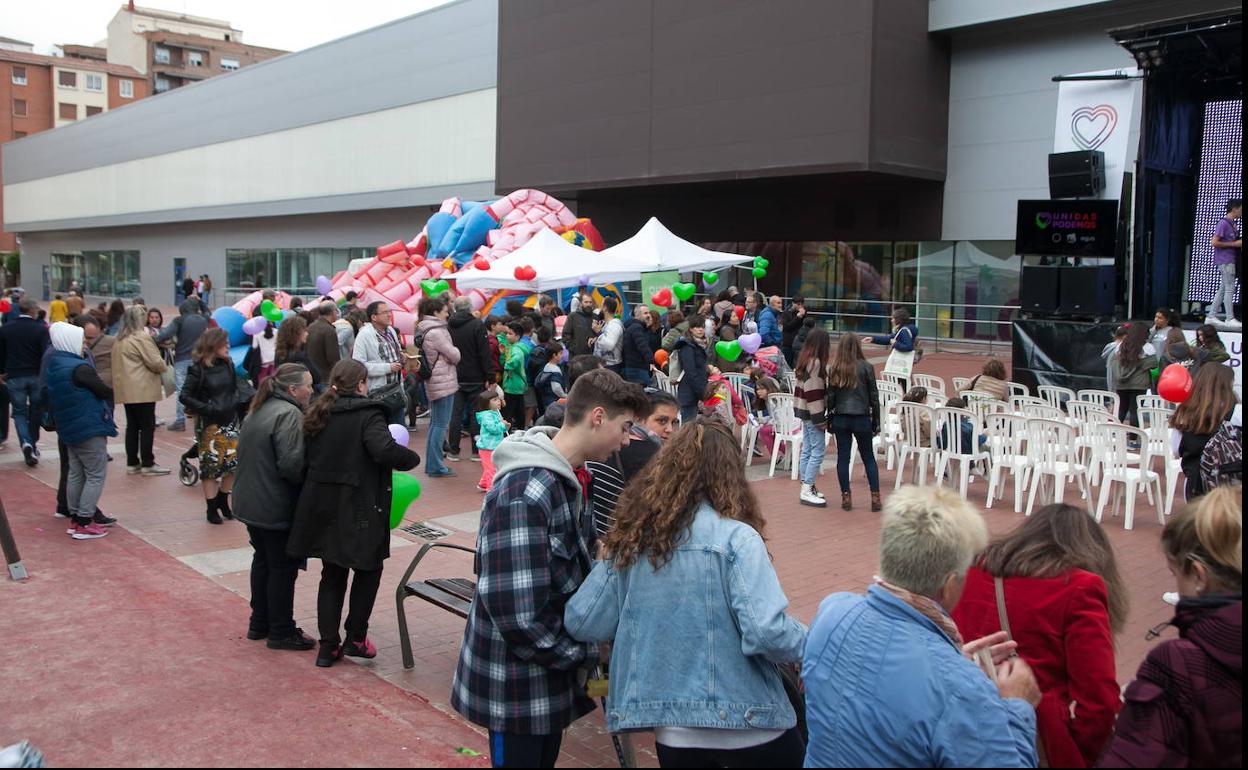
pixel 286 269
pixel 99 273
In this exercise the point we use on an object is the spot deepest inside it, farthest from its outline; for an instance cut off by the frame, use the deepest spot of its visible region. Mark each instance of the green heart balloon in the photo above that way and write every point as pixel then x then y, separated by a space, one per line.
pixel 728 350
pixel 270 311
pixel 406 490
pixel 683 291
pixel 433 288
pixel 710 279
pixel 762 262
pixel 758 272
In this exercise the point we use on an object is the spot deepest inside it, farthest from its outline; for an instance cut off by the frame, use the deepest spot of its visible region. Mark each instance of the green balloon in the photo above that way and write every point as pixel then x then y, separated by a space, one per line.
pixel 710 279
pixel 728 350
pixel 270 311
pixel 762 262
pixel 683 291
pixel 406 490
pixel 434 288
pixel 758 272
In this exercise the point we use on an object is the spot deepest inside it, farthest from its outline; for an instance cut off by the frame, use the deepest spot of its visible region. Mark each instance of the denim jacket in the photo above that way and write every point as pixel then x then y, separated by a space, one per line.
pixel 698 640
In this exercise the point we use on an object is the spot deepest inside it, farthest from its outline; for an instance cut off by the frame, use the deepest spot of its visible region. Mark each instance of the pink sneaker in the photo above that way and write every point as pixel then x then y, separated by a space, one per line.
pixel 364 649
pixel 87 532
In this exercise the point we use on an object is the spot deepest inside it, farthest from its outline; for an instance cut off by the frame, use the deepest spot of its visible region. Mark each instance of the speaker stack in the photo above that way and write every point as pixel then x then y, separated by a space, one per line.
pixel 1072 292
pixel 1079 174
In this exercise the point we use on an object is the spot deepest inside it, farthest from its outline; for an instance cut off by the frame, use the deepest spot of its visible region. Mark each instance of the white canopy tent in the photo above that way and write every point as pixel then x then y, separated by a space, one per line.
pixel 658 248
pixel 558 265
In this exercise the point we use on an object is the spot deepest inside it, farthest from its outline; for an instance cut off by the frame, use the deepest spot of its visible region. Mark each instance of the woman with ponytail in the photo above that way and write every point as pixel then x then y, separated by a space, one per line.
pixel 343 513
pixel 1185 707
pixel 266 487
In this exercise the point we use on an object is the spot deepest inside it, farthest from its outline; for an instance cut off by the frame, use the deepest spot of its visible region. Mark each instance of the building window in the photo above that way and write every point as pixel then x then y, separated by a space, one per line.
pixel 162 85
pixel 67 111
pixel 161 55
pixel 285 269
pixel 19 76
pixel 19 108
pixel 126 89
pixel 67 79
pixel 103 273
pixel 95 82
pixel 18 134
pixel 195 58
pixel 229 64
pixel 93 110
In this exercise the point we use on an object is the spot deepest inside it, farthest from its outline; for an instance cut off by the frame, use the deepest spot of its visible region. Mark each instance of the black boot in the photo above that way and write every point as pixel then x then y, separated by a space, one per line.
pixel 213 516
pixel 223 504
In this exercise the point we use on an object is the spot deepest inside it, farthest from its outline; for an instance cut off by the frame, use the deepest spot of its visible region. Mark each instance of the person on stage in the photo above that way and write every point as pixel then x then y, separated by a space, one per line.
pixel 1227 241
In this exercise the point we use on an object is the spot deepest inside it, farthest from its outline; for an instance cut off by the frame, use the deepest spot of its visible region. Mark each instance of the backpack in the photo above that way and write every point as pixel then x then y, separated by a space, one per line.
pixel 534 365
pixel 424 369
pixel 1222 461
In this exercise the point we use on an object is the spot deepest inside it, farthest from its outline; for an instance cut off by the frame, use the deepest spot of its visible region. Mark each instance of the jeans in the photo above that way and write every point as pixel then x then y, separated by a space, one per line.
pixel 785 751
pixel 4 414
pixel 515 750
pixel 814 445
pixel 273 575
pixel 637 375
pixel 688 412
pixel 88 464
pixel 463 415
pixel 439 421
pixel 180 369
pixel 332 595
pixel 140 431
pixel 847 429
pixel 24 395
pixel 1226 291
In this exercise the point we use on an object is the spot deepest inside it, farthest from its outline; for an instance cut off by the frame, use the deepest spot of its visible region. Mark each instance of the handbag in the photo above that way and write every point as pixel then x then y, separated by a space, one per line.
pixel 168 382
pixel 393 397
pixel 1004 618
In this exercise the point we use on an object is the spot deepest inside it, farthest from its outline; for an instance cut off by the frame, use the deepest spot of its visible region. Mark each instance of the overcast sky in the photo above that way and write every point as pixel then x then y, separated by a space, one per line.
pixel 287 24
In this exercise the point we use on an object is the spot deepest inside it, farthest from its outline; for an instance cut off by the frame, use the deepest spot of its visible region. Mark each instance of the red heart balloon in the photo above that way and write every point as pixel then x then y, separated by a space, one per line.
pixel 662 298
pixel 740 311
pixel 1175 383
pixel 525 273
pixel 481 263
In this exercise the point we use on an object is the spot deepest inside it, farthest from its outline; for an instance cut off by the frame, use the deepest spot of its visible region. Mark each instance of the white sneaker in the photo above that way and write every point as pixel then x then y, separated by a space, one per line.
pixel 808 497
pixel 817 493
pixel 1171 598
pixel 1233 322
pixel 154 470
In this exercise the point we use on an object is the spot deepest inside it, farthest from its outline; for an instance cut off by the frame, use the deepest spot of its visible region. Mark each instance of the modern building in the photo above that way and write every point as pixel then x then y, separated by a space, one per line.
pixel 175 49
pixel 873 150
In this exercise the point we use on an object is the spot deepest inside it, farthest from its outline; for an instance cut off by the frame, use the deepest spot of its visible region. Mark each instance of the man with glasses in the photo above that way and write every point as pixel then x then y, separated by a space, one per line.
pixel 377 347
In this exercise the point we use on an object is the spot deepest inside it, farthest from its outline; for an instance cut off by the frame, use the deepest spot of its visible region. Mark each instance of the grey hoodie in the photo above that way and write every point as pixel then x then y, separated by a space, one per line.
pixel 534 448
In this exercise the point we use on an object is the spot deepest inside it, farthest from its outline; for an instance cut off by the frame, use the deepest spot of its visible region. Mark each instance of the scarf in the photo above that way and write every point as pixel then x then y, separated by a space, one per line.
pixel 926 607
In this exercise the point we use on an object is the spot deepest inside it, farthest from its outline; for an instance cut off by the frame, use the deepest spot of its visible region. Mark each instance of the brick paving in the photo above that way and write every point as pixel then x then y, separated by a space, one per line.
pixel 815 551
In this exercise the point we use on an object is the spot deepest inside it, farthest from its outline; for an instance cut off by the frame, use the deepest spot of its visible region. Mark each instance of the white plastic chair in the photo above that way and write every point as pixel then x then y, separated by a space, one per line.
pixel 1055 395
pixel 1007 449
pixel 1018 402
pixel 740 385
pixel 1131 469
pixel 1107 399
pixel 961 383
pixel 910 441
pixel 947 429
pixel 986 407
pixel 1042 412
pixel 1052 455
pixel 1085 417
pixel 1156 425
pixel 1018 389
pixel 1154 402
pixel 896 379
pixel 976 395
pixel 889 391
pixel 664 383
pixel 788 381
pixel 788 431
pixel 929 381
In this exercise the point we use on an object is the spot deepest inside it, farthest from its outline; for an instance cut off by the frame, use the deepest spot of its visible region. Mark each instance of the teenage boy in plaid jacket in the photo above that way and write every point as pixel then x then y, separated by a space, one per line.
pixel 520 675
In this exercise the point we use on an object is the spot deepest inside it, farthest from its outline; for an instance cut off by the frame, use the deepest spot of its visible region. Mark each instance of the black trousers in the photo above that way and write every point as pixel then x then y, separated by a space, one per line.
pixel 4 413
pixel 514 750
pixel 1128 407
pixel 463 417
pixel 333 595
pixel 513 410
pixel 785 751
pixel 273 576
pixel 140 432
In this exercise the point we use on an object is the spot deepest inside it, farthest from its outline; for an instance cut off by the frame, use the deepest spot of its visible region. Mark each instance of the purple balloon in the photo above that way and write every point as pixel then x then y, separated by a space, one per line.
pixel 323 285
pixel 399 434
pixel 584 279
pixel 563 359
pixel 254 326
pixel 750 343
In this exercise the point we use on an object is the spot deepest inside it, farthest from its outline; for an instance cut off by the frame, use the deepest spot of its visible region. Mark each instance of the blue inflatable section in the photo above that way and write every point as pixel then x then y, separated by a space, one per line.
pixel 232 321
pixel 435 230
pixel 237 354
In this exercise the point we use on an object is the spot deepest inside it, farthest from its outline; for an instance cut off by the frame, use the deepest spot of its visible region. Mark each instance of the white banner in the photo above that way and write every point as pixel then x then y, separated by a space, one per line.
pixel 1098 115
pixel 1234 342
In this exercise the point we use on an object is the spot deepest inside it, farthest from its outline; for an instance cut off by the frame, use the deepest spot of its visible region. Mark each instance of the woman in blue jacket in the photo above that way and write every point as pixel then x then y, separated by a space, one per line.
pixel 688 594
pixel 903 339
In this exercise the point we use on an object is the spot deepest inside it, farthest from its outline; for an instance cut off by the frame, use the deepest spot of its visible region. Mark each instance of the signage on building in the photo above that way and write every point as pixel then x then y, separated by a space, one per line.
pixel 1067 228
pixel 1098 115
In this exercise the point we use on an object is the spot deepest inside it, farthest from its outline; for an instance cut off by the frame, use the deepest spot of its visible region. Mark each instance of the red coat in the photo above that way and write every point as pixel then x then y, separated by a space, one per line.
pixel 1062 628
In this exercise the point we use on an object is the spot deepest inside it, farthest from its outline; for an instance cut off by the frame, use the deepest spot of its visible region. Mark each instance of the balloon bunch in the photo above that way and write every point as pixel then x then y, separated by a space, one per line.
pixel 760 267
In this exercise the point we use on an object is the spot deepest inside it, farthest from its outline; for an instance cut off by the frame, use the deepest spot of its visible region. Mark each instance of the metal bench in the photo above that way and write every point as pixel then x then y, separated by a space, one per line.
pixel 451 594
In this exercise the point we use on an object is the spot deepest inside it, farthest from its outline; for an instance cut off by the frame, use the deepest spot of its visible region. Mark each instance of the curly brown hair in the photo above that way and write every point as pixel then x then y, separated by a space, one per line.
pixel 654 515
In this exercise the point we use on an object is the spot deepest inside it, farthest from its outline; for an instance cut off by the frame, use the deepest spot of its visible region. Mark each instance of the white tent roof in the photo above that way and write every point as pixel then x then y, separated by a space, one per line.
pixel 558 264
pixel 654 247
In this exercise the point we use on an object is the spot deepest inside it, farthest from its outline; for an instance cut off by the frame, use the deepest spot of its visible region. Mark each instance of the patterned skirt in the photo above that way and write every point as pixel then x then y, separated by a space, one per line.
pixel 218 449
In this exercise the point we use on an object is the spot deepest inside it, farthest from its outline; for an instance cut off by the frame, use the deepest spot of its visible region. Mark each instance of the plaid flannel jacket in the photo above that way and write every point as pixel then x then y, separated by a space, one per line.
pixel 518 668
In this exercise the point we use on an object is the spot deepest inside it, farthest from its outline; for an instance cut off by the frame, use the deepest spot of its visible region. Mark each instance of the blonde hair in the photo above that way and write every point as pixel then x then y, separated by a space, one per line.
pixel 928 533
pixel 1210 530
pixel 133 321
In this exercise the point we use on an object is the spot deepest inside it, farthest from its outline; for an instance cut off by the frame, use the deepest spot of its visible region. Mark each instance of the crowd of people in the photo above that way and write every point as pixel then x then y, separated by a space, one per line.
pixel 626 509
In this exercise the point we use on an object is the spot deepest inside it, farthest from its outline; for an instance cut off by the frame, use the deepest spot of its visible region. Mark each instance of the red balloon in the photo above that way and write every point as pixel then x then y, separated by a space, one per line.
pixel 5 306
pixel 740 311
pixel 1175 383
pixel 481 263
pixel 660 357
pixel 662 298
pixel 525 273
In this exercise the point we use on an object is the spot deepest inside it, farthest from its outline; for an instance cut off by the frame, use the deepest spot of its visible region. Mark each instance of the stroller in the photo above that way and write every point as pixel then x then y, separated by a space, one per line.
pixel 188 473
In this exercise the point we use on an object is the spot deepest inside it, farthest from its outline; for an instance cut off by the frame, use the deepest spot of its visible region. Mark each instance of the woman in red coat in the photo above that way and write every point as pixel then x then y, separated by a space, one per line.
pixel 1063 602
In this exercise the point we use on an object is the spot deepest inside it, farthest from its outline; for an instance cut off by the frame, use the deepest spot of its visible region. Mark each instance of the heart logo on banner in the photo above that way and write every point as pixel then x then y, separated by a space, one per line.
pixel 1044 219
pixel 1091 127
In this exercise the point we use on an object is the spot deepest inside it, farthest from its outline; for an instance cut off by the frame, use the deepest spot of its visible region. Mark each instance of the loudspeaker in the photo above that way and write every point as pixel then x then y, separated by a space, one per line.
pixel 1079 174
pixel 1087 291
pixel 1038 289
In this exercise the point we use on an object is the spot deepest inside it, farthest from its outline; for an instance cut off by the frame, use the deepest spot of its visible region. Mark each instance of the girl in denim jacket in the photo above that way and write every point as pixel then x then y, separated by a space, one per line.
pixel 694 609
